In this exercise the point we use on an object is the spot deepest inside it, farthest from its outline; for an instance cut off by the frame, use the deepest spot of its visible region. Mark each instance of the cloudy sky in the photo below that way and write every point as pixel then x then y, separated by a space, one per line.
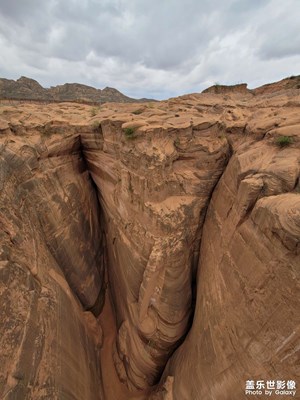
pixel 150 48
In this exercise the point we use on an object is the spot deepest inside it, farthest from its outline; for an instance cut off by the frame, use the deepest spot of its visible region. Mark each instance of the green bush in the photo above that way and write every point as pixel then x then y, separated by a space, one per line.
pixel 94 111
pixel 177 142
pixel 137 112
pixel 129 132
pixel 96 126
pixel 283 141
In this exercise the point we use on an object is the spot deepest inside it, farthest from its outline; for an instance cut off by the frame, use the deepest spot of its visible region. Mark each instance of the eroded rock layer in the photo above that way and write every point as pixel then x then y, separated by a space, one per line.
pixel 187 204
pixel 154 191
pixel 247 316
pixel 51 271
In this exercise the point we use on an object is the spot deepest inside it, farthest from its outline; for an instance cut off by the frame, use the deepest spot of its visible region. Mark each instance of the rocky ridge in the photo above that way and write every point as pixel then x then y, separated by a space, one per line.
pixel 29 89
pixel 184 214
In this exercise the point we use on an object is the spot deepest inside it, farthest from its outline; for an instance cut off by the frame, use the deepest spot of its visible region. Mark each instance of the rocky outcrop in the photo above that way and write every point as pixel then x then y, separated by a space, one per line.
pixel 29 89
pixel 223 89
pixel 293 82
pixel 76 91
pixel 186 211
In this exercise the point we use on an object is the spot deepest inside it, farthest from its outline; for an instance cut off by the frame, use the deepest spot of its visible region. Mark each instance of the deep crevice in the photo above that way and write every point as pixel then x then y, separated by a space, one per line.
pixel 98 306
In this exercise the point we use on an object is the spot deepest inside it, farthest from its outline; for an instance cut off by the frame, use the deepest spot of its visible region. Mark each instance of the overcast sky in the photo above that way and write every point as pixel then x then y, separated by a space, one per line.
pixel 150 48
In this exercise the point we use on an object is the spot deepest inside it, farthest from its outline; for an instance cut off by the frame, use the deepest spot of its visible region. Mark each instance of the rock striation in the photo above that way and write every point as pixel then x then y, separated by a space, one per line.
pixel 51 269
pixel 184 215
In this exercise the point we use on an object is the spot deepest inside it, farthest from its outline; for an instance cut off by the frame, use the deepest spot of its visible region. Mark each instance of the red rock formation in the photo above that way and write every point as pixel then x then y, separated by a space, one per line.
pixel 153 192
pixel 192 208
pixel 246 318
pixel 51 271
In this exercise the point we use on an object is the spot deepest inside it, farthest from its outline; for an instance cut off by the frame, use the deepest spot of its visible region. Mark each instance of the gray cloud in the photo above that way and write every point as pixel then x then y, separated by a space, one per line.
pixel 279 34
pixel 157 48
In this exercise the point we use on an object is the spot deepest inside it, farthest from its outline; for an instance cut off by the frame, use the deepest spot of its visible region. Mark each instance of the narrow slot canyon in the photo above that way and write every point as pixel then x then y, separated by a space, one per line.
pixel 150 274
pixel 159 267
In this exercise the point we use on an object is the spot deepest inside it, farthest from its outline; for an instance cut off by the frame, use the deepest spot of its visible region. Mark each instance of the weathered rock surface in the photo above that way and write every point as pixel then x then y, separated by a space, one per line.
pixel 51 268
pixel 154 191
pixel 246 320
pixel 191 206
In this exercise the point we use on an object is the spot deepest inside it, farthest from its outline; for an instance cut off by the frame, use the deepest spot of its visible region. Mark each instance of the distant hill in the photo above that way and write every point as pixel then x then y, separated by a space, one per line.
pixel 292 82
pixel 29 89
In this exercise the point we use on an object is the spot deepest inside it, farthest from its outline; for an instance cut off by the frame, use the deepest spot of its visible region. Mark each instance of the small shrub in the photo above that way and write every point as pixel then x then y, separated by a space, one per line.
pixel 137 112
pixel 95 126
pixel 283 141
pixel 129 132
pixel 222 136
pixel 47 130
pixel 94 111
pixel 151 343
pixel 176 142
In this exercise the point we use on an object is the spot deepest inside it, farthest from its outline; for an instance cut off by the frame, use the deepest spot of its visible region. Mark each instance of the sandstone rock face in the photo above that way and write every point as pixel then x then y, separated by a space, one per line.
pixel 247 317
pixel 51 267
pixel 187 210
pixel 154 193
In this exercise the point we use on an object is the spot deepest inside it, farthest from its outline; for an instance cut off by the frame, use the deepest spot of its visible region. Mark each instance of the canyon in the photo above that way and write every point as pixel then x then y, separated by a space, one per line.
pixel 150 250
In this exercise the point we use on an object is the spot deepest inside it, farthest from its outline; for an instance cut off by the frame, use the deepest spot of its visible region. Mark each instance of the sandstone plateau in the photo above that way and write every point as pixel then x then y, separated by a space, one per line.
pixel 150 251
